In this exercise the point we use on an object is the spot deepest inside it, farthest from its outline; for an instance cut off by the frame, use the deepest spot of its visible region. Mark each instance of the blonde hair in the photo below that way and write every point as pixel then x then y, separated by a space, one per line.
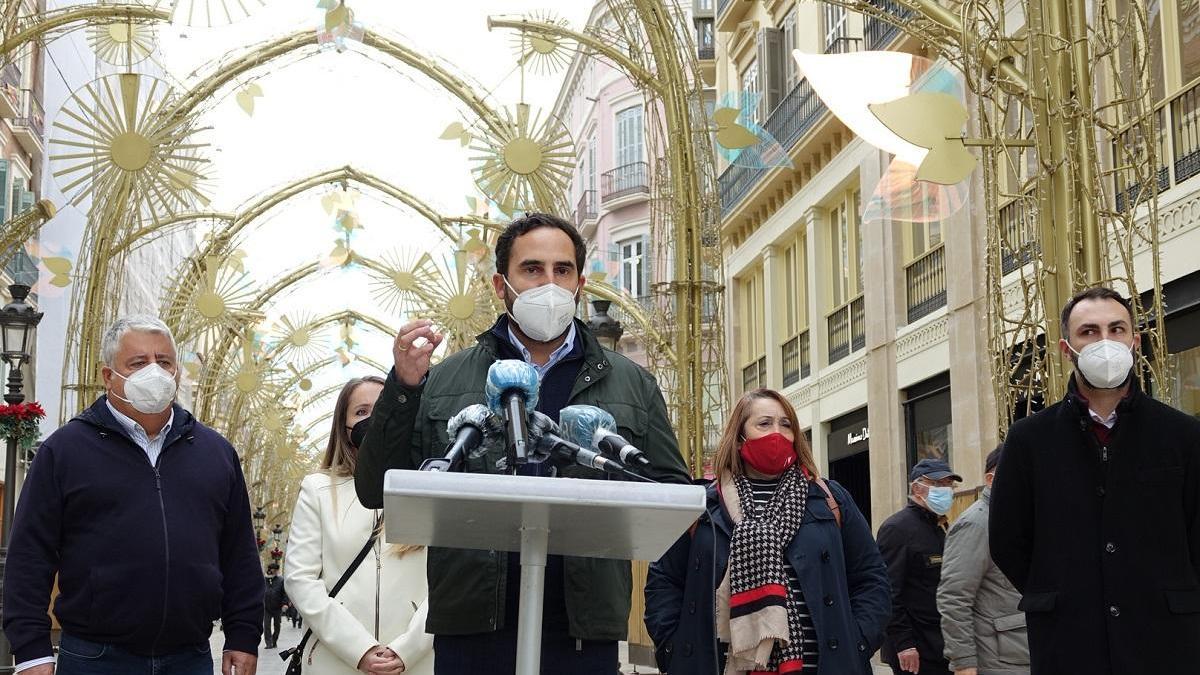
pixel 728 462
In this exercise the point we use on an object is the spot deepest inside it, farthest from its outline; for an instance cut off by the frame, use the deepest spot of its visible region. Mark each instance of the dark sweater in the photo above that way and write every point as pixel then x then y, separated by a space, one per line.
pixel 146 556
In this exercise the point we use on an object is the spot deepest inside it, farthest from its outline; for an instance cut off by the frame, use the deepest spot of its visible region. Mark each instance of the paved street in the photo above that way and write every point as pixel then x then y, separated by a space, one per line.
pixel 269 662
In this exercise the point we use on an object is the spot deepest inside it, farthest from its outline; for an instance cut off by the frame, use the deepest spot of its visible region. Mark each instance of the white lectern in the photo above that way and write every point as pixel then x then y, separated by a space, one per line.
pixel 537 516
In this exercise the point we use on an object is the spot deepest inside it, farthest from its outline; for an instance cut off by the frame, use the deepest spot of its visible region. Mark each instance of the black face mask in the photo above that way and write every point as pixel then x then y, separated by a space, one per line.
pixel 359 431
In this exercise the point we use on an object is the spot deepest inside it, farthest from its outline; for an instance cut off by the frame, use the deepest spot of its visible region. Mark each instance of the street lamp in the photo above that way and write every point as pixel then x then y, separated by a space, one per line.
pixel 606 329
pixel 259 517
pixel 18 321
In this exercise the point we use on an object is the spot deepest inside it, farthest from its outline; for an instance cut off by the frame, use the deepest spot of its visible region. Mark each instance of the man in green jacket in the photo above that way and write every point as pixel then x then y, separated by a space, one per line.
pixel 473 595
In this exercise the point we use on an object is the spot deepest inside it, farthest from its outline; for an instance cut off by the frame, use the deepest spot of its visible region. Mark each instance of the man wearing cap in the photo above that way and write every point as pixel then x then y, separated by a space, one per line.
pixel 981 625
pixel 911 542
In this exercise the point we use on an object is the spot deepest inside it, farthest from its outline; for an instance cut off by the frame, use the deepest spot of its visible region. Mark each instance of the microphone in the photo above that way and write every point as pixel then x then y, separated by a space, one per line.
pixel 469 429
pixel 543 432
pixel 590 426
pixel 511 387
pixel 614 444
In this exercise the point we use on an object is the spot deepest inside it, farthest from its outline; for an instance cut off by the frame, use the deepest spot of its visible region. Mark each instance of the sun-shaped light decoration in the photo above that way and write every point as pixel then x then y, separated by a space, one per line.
pixel 251 375
pixel 209 13
pixel 218 300
pixel 122 44
pixel 399 284
pixel 461 301
pixel 111 142
pixel 296 340
pixel 526 164
pixel 543 54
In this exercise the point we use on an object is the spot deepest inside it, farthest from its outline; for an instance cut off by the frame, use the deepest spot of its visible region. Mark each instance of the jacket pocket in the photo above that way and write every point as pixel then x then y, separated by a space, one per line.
pixel 112 613
pixel 1010 622
pixel 1183 601
pixel 1012 640
pixel 1038 602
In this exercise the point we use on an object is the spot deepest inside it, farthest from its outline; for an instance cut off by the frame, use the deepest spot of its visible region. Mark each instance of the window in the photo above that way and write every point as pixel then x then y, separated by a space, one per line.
pixel 835 27
pixel 752 342
pixel 633 267
pixel 591 165
pixel 791 72
pixel 704 37
pixel 845 251
pixel 750 87
pixel 795 285
pixel 629 136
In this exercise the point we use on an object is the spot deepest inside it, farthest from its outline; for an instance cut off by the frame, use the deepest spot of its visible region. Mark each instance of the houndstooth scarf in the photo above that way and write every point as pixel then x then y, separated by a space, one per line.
pixel 756 612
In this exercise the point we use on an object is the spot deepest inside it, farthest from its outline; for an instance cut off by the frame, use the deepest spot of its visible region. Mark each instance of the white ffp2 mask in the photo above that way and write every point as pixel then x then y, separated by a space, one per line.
pixel 150 389
pixel 544 312
pixel 1104 364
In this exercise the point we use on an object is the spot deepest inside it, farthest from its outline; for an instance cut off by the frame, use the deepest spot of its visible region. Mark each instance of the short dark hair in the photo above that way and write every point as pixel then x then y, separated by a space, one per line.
pixel 532 221
pixel 993 459
pixel 1095 293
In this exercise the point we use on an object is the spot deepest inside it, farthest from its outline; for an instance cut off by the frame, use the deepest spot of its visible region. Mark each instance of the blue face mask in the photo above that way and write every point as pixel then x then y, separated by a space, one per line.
pixel 940 499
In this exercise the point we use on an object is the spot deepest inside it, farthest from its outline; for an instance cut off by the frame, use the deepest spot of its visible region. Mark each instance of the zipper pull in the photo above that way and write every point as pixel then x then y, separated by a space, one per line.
pixel 1104 453
pixel 157 480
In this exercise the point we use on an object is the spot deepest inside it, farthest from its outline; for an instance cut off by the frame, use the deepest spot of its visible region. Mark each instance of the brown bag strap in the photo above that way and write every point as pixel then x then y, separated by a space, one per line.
pixel 830 501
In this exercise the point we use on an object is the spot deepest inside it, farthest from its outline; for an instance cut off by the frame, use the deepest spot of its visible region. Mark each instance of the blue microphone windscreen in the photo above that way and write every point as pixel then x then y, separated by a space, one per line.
pixel 509 374
pixel 578 423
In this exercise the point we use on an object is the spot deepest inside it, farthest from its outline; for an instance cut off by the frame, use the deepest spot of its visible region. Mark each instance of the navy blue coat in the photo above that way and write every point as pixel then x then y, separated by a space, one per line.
pixel 841 574
pixel 146 556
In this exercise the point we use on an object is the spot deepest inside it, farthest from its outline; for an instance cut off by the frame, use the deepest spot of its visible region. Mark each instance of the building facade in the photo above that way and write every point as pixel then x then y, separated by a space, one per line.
pixel 873 318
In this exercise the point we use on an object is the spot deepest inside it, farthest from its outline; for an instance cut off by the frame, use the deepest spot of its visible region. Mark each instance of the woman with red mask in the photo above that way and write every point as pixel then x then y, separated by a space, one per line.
pixel 780 574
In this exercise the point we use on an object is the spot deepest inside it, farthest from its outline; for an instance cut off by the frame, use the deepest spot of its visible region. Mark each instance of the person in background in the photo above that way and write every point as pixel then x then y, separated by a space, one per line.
pixel 273 606
pixel 912 541
pixel 983 630
pixel 376 624
pixel 798 582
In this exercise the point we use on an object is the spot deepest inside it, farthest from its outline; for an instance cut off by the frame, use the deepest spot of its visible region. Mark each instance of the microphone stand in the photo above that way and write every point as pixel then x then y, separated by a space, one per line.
pixel 452 461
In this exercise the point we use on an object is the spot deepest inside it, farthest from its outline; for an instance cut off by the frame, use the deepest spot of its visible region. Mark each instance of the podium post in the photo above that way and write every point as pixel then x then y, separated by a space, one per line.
pixel 537 516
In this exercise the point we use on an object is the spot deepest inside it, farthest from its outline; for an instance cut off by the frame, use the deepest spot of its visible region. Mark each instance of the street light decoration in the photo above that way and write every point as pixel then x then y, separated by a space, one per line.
pixel 112 143
pixel 122 44
pixel 525 163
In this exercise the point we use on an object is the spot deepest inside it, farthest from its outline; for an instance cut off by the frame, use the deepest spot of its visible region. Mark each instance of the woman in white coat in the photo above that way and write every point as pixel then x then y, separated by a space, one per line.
pixel 376 623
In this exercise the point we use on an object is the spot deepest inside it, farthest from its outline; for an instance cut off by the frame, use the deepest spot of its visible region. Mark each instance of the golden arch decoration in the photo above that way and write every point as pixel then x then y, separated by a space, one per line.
pixel 95 304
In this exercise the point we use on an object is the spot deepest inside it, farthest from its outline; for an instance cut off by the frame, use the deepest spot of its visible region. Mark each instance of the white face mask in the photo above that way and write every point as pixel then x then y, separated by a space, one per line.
pixel 1104 364
pixel 150 389
pixel 543 313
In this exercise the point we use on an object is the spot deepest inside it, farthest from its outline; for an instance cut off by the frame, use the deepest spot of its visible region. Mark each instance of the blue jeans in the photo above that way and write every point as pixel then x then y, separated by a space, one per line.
pixel 81 657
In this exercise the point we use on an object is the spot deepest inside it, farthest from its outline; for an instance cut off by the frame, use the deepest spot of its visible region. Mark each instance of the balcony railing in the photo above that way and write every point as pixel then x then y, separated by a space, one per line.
pixel 795 115
pixel 10 88
pixel 846 328
pixel 844 44
pixel 879 34
pixel 1185 116
pixel 705 53
pixel 33 117
pixel 796 361
pixel 754 375
pixel 586 209
pixel 1018 240
pixel 625 180
pixel 925 282
pixel 721 5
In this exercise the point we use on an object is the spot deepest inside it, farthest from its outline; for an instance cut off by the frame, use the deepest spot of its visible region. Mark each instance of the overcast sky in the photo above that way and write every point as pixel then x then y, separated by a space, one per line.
pixel 357 108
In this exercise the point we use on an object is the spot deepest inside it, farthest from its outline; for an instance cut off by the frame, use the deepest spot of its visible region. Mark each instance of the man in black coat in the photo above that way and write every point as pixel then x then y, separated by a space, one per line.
pixel 273 606
pixel 911 542
pixel 1096 512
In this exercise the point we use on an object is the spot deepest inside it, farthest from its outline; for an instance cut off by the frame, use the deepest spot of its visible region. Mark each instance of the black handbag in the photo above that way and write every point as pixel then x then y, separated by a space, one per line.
pixel 295 655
